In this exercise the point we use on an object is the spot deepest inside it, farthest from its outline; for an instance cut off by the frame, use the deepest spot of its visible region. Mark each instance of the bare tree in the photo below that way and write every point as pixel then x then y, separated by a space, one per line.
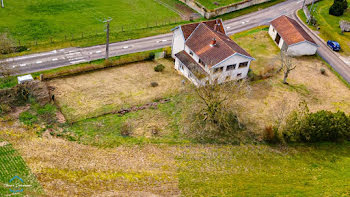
pixel 287 65
pixel 216 115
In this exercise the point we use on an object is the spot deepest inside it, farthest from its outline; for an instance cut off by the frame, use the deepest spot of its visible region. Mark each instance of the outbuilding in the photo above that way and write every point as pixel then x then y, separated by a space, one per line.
pixel 25 78
pixel 291 37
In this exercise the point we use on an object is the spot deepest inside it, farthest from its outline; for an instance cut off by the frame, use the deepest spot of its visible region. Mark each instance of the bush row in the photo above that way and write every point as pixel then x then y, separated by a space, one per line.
pixel 304 126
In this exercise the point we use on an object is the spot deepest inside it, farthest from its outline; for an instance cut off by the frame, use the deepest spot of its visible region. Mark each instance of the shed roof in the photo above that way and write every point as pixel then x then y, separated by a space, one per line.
pixel 290 30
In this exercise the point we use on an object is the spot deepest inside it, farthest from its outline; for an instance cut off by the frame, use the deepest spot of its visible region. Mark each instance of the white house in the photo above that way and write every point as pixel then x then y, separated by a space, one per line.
pixel 203 53
pixel 291 37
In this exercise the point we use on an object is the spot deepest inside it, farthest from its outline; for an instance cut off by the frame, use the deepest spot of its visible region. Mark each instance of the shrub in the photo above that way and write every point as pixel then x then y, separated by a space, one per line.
pixel 159 68
pixel 28 118
pixel 126 129
pixel 4 108
pixel 270 134
pixel 323 71
pixel 338 7
pixel 155 131
pixel 151 56
pixel 321 126
pixel 154 84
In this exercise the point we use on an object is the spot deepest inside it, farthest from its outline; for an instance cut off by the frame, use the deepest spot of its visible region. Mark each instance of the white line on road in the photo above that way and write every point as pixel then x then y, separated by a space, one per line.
pixel 54 59
pixel 125 47
pixel 39 62
pixel 77 62
pixel 98 51
pixel 21 65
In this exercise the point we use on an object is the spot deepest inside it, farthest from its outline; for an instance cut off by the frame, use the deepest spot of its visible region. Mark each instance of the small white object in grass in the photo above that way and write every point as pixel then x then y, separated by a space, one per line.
pixel 2 144
pixel 25 78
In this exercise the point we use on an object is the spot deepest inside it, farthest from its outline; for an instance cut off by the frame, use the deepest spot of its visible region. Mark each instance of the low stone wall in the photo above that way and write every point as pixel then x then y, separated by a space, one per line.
pixel 222 10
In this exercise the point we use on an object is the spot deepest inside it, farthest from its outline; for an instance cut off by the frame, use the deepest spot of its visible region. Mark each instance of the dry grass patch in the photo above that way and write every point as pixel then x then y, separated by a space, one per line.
pixel 69 169
pixel 100 92
pixel 270 97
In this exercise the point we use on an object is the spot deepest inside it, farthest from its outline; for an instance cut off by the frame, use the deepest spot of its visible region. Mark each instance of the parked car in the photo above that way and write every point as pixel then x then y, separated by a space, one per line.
pixel 335 46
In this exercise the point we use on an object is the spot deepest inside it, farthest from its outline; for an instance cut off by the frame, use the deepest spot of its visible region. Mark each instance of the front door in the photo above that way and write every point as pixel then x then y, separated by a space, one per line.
pixel 277 39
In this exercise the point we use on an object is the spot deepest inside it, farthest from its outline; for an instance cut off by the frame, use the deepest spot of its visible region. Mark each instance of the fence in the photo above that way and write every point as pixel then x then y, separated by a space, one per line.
pixel 99 33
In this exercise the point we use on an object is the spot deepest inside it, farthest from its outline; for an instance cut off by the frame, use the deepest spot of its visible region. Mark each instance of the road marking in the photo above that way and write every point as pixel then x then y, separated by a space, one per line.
pixel 77 58
pixel 14 66
pixel 243 22
pixel 228 27
pixel 21 65
pixel 54 59
pixel 125 47
pixel 98 51
pixel 39 62
pixel 78 61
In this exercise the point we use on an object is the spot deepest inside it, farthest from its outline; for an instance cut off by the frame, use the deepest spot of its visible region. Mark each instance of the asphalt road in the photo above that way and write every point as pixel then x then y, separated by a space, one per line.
pixel 71 56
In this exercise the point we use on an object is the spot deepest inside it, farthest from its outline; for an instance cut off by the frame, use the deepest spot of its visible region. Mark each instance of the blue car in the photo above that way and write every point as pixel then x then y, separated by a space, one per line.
pixel 335 46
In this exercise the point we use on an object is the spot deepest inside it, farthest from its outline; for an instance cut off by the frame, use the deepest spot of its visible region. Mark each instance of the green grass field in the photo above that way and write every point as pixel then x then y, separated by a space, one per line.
pixel 12 164
pixel 45 19
pixel 319 170
pixel 329 25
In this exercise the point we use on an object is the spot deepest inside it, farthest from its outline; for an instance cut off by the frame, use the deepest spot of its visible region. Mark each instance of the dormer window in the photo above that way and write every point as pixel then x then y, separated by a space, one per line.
pixel 191 53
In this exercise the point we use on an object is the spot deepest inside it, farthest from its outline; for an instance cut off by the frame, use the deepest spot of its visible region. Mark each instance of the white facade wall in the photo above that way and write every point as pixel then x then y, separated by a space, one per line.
pixel 302 48
pixel 232 74
pixel 299 49
pixel 187 73
pixel 273 34
pixel 178 42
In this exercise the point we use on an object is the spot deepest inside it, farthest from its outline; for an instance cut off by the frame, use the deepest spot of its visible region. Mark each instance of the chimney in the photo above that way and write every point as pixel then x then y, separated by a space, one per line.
pixel 213 42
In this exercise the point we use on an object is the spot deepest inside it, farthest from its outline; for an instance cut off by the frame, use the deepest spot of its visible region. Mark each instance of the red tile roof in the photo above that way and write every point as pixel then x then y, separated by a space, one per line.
pixel 290 30
pixel 189 28
pixel 199 43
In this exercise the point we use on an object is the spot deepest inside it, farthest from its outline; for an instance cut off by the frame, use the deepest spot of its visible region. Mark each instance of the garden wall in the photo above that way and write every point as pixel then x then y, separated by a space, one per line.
pixel 222 10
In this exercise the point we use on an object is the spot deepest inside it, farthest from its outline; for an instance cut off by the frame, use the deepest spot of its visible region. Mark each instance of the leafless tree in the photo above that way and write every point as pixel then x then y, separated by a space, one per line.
pixel 287 65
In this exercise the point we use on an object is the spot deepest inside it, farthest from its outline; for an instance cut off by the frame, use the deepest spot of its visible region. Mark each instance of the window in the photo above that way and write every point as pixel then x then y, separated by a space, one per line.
pixel 191 53
pixel 230 67
pixel 181 67
pixel 190 75
pixel 201 62
pixel 220 69
pixel 243 65
pixel 239 75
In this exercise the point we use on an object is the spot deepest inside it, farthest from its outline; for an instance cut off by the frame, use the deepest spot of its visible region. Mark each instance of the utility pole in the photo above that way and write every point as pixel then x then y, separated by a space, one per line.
pixel 107 40
pixel 304 4
pixel 2 4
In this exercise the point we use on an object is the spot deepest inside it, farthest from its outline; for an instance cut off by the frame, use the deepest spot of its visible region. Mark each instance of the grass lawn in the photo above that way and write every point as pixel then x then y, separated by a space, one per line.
pixel 96 93
pixel 11 165
pixel 68 168
pixel 329 25
pixel 41 20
